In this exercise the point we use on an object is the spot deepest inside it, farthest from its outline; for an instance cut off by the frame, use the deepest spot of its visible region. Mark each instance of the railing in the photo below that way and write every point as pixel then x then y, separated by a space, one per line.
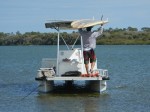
pixel 48 63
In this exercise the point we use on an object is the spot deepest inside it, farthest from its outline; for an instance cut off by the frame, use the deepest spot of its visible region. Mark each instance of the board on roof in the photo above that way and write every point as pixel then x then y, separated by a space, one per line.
pixel 87 23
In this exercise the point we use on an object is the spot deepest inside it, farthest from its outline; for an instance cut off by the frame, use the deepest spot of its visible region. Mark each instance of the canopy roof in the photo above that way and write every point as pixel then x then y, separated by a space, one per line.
pixel 76 24
pixel 61 24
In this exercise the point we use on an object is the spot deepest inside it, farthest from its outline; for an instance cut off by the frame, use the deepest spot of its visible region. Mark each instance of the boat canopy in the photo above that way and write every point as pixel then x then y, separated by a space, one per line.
pixel 65 25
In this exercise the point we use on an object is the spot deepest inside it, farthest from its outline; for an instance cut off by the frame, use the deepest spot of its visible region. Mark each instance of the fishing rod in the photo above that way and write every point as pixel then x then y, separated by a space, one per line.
pixel 30 92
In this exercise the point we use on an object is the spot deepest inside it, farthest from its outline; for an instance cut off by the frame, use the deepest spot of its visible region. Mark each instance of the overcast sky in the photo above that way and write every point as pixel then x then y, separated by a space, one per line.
pixel 30 15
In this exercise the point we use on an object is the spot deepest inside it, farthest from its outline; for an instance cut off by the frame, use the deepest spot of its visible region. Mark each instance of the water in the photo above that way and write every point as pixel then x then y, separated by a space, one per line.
pixel 128 89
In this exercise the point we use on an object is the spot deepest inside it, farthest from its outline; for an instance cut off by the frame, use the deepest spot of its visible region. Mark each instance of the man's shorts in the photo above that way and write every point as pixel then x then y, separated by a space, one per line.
pixel 89 55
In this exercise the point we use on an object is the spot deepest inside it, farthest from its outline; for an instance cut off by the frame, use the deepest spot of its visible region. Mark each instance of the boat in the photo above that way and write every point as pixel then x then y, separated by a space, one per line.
pixel 69 64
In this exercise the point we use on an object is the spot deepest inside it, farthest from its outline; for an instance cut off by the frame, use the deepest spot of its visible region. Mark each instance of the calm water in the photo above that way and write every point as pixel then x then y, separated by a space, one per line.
pixel 128 90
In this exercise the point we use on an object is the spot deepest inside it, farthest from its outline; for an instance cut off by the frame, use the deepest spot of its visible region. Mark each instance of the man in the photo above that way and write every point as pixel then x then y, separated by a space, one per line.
pixel 89 44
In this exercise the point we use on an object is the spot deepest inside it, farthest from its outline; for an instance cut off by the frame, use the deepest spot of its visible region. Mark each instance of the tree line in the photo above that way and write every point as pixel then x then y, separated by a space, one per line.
pixel 117 36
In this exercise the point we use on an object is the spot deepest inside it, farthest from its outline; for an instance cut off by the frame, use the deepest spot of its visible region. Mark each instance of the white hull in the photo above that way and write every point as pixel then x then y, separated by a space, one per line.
pixel 93 85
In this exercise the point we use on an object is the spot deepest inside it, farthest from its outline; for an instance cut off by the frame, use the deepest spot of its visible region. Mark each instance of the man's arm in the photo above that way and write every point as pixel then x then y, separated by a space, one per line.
pixel 98 32
pixel 100 29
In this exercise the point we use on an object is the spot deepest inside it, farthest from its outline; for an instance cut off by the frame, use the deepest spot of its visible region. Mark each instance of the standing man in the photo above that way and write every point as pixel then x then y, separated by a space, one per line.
pixel 89 44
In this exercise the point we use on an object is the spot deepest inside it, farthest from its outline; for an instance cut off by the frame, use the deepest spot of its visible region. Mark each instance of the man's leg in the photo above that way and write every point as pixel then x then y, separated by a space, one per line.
pixel 92 60
pixel 87 68
pixel 92 66
pixel 86 60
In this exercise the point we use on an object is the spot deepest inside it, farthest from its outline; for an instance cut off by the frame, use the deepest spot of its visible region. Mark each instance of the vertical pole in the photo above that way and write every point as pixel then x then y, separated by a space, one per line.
pixel 82 54
pixel 57 68
pixel 81 43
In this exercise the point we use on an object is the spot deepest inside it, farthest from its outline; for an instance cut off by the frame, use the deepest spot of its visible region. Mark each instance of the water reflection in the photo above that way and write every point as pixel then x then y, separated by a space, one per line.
pixel 73 98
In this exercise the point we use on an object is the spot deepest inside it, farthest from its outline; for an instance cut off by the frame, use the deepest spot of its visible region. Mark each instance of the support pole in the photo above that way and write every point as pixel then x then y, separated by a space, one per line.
pixel 57 68
pixel 82 54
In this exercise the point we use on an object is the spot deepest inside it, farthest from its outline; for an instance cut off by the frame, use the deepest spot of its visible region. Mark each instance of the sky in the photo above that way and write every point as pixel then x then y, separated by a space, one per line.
pixel 31 15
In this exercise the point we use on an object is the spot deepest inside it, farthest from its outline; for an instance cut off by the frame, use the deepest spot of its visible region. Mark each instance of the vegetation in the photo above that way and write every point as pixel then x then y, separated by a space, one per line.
pixel 125 36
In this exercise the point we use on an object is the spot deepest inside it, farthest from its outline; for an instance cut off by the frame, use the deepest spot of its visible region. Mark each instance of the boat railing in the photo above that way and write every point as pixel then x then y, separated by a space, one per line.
pixel 48 62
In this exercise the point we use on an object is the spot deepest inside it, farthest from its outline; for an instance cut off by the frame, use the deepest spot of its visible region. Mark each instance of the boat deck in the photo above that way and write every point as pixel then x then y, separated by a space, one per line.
pixel 73 78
